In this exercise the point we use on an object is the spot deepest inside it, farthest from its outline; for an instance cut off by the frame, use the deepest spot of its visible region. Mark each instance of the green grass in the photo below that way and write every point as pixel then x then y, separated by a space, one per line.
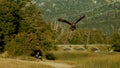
pixel 89 60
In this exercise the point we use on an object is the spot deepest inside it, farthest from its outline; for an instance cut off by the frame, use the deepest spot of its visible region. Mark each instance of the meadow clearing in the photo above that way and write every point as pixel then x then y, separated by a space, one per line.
pixel 89 59
pixel 74 59
pixel 14 63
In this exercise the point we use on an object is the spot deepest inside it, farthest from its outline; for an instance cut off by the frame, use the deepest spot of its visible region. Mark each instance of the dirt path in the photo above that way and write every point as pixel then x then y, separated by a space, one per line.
pixel 57 65
pixel 50 63
pixel 53 64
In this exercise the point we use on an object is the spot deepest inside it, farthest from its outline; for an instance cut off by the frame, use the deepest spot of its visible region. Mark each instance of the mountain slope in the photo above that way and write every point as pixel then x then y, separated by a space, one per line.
pixel 106 18
pixel 100 14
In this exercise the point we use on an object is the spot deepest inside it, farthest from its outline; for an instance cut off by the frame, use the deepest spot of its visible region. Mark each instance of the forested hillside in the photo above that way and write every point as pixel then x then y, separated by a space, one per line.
pixel 100 14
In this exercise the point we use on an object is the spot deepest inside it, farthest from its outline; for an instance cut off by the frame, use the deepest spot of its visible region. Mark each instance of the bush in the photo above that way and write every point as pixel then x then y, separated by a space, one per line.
pixel 21 45
pixel 14 48
pixel 116 41
pixel 50 56
pixel 116 47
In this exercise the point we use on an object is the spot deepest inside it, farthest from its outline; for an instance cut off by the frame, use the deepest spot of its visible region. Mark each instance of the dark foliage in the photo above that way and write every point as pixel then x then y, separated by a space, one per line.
pixel 22 28
pixel 50 56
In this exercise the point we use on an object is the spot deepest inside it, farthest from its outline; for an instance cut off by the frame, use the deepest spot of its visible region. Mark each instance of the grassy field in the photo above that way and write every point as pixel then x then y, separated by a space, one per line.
pixel 13 63
pixel 89 60
pixel 77 59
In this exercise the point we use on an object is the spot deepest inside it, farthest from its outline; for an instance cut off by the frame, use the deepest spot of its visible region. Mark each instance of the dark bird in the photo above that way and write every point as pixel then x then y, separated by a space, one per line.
pixel 73 24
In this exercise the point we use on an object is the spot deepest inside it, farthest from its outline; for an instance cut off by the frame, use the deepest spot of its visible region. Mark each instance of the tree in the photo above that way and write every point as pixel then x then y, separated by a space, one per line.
pixel 97 37
pixel 9 20
pixel 22 27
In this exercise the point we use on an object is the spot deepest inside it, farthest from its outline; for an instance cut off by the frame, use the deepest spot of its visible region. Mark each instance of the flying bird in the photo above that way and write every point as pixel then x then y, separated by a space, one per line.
pixel 73 24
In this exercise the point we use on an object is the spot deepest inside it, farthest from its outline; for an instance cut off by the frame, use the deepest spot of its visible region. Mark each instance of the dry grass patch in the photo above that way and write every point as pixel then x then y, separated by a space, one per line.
pixel 102 62
pixel 12 63
pixel 89 59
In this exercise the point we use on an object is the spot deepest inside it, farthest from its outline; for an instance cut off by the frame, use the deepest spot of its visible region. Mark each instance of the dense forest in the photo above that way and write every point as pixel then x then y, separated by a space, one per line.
pixel 23 29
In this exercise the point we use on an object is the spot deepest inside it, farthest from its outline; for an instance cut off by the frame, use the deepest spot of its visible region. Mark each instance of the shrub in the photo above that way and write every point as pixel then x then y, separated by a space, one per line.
pixel 50 56
pixel 20 45
pixel 116 41
pixel 116 47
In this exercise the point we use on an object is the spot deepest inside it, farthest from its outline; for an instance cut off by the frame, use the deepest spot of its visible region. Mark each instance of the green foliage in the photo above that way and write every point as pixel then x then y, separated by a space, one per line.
pixel 22 44
pixel 88 37
pixel 116 38
pixel 8 18
pixel 116 41
pixel 22 28
pixel 50 56
pixel 9 21
pixel 79 36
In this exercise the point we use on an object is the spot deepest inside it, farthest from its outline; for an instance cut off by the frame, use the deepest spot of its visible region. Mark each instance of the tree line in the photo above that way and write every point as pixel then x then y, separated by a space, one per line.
pixel 23 29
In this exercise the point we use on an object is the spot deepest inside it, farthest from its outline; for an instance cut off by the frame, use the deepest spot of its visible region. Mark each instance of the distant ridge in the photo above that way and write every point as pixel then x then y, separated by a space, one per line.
pixel 100 14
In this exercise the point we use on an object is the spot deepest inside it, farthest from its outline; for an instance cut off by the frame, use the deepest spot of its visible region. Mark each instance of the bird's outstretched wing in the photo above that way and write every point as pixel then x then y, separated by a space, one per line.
pixel 80 19
pixel 65 21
